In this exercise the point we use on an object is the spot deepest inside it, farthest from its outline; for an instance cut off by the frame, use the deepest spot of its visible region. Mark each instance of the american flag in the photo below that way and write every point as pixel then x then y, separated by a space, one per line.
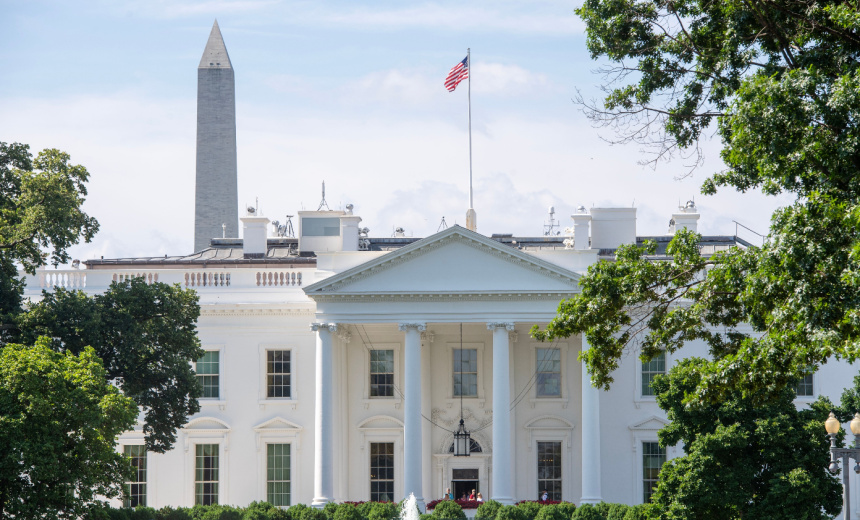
pixel 457 74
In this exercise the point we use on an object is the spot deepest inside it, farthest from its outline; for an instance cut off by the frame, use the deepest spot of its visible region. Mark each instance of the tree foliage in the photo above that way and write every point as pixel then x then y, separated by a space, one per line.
pixel 58 420
pixel 742 458
pixel 145 334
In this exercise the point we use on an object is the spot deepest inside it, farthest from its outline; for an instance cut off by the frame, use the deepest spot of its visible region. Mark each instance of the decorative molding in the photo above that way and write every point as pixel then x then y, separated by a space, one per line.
pixel 513 336
pixel 209 311
pixel 446 297
pixel 316 327
pixel 195 429
pixel 343 333
pixel 507 325
pixel 428 336
pixel 561 425
pixel 422 247
pixel 473 422
pixel 652 423
pixel 420 327
pixel 277 427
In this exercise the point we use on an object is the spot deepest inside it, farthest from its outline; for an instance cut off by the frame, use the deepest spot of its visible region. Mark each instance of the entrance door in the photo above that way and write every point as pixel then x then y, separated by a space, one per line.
pixel 463 481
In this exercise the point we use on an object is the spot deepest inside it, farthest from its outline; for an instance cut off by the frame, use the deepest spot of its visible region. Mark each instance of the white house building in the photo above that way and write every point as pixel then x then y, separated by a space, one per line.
pixel 338 365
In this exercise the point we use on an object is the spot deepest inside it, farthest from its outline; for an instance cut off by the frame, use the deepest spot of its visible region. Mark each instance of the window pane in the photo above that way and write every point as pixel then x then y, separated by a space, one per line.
pixel 382 471
pixel 206 474
pixel 381 373
pixel 135 489
pixel 549 469
pixel 278 474
pixel 804 386
pixel 653 457
pixel 321 227
pixel 650 370
pixel 465 372
pixel 278 373
pixel 548 365
pixel 207 369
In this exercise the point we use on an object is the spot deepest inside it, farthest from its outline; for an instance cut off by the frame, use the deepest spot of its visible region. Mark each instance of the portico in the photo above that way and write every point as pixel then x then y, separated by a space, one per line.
pixel 409 300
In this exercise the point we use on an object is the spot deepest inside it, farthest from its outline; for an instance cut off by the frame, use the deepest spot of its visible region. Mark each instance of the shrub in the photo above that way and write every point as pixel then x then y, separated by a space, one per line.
pixel 449 510
pixel 603 508
pixel 219 512
pixel 488 510
pixel 116 514
pixel 639 512
pixel 310 513
pixel 365 508
pixel 142 513
pixel 347 512
pixel 510 513
pixel 530 509
pixel 296 511
pixel 169 513
pixel 383 511
pixel 551 512
pixel 587 512
pixel 566 509
pixel 426 516
pixel 258 511
pixel 329 510
pixel 617 511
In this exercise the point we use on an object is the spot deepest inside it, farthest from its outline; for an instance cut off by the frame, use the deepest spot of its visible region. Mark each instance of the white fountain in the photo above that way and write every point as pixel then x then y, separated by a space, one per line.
pixel 409 509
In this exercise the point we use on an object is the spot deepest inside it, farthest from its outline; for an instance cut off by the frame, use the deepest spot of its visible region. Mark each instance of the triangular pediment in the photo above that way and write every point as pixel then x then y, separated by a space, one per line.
pixel 277 424
pixel 454 261
pixel 207 424
pixel 651 423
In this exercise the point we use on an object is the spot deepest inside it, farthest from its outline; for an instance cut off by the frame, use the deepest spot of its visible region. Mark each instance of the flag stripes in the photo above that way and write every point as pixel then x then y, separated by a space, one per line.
pixel 458 73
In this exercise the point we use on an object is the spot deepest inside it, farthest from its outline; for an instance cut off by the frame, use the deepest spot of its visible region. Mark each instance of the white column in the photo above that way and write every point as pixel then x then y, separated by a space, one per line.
pixel 323 415
pixel 502 472
pixel 591 491
pixel 412 445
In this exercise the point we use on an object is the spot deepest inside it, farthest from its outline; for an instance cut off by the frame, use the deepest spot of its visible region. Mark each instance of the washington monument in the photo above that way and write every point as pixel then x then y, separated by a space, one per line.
pixel 216 193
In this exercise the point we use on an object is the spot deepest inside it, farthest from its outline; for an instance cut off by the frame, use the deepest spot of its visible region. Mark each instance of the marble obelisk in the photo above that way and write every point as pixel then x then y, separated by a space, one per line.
pixel 216 194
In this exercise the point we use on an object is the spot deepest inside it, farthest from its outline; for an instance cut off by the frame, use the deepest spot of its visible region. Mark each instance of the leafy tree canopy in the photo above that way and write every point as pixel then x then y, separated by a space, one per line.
pixel 58 420
pixel 779 81
pixel 146 335
pixel 742 459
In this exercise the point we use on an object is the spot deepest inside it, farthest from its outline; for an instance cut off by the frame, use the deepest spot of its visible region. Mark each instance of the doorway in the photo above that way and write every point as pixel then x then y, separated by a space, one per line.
pixel 463 481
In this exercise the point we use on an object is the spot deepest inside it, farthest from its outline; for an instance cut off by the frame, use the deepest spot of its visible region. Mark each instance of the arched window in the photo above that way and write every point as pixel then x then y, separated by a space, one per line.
pixel 474 447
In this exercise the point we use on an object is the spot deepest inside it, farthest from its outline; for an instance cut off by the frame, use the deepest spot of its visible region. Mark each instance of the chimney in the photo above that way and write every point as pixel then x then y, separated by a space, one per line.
pixel 686 217
pixel 581 220
pixel 254 235
pixel 611 227
pixel 349 229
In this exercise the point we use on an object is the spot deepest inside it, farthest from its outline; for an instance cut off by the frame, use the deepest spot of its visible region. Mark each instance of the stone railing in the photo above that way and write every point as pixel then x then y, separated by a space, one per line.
pixel 203 280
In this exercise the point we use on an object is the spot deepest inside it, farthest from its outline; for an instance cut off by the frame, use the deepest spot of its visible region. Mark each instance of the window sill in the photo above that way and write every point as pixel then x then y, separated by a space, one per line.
pixel 396 401
pixel 648 399
pixel 549 400
pixel 480 401
pixel 220 403
pixel 263 403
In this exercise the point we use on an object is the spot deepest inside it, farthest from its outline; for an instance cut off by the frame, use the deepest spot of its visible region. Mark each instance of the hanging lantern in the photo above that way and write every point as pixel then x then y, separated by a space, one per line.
pixel 462 441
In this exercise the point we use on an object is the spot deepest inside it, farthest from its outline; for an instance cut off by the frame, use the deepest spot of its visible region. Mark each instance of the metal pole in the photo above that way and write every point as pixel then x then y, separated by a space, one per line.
pixel 846 498
pixel 469 63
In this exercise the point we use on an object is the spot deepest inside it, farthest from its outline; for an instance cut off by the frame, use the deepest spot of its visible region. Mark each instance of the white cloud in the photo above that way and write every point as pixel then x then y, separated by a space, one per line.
pixel 509 80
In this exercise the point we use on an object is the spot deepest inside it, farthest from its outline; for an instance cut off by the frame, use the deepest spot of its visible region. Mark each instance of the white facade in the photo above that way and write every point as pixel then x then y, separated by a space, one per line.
pixel 338 311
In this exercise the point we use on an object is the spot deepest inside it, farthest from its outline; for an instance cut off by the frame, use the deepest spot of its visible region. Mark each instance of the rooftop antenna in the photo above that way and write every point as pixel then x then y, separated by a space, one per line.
pixel 288 228
pixel 442 225
pixel 550 225
pixel 323 203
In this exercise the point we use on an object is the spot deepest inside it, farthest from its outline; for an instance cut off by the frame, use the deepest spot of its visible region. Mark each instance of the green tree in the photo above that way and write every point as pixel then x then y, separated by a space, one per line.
pixel 779 82
pixel 40 218
pixel 145 334
pixel 742 458
pixel 58 420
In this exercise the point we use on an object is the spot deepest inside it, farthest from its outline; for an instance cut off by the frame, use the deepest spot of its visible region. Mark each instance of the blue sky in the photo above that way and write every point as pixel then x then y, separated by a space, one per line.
pixel 346 92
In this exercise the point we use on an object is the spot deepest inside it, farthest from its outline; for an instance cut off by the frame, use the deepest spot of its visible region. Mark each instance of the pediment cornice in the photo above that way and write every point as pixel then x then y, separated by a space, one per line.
pixel 340 283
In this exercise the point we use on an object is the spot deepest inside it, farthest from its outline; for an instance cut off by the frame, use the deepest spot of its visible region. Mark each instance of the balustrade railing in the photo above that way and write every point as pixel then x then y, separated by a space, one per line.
pixel 65 279
pixel 279 278
pixel 207 279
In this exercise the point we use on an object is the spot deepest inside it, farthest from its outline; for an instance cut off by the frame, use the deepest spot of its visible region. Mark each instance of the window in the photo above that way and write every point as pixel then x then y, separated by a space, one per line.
pixel 653 457
pixel 549 469
pixel 381 471
pixel 650 370
pixel 321 227
pixel 208 374
pixel 278 373
pixel 381 373
pixel 466 372
pixel 278 474
pixel 804 386
pixel 135 489
pixel 548 372
pixel 206 474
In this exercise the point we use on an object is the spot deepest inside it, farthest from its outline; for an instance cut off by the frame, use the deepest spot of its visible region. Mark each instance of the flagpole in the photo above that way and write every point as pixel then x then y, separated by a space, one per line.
pixel 469 61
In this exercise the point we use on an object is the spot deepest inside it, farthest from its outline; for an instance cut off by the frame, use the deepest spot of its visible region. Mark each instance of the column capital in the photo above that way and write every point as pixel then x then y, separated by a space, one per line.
pixel 332 327
pixel 420 327
pixel 507 325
